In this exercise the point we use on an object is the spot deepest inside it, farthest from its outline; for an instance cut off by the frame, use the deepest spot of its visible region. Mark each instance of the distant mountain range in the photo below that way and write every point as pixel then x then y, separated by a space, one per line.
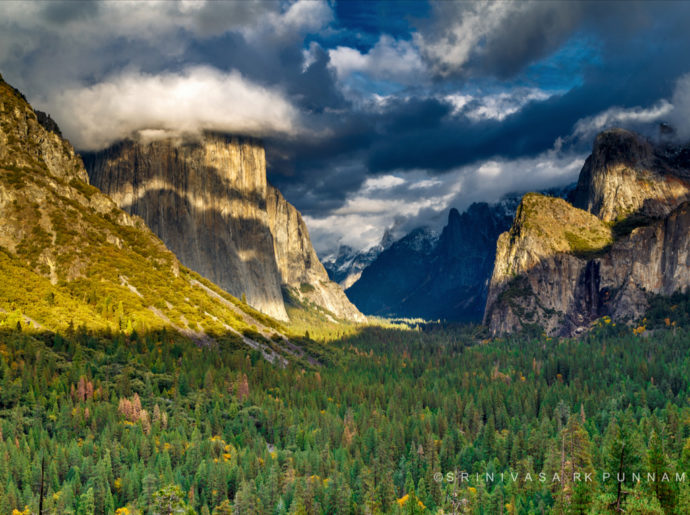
pixel 346 264
pixel 430 275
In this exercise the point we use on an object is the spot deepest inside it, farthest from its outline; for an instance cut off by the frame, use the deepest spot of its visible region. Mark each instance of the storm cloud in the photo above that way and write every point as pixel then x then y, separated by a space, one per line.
pixel 374 114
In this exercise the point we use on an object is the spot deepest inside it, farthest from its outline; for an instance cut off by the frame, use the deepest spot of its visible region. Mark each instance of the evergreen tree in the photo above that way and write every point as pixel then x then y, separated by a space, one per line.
pixel 658 467
pixel 86 503
pixel 621 458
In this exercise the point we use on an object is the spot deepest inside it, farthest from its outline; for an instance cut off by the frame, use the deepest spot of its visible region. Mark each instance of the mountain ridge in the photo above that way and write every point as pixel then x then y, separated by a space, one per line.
pixel 623 240
pixel 436 276
pixel 71 259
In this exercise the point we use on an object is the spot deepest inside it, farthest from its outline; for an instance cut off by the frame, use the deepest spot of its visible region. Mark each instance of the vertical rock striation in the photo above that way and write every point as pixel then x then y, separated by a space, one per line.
pixel 209 202
pixel 206 201
pixel 298 264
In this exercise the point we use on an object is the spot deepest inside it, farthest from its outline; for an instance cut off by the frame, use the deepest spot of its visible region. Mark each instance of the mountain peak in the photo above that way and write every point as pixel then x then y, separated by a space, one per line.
pixel 626 175
pixel 617 145
pixel 562 266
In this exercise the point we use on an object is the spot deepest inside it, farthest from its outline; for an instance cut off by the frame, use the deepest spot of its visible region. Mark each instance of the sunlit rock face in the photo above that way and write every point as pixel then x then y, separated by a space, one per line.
pixel 626 174
pixel 562 266
pixel 298 263
pixel 208 200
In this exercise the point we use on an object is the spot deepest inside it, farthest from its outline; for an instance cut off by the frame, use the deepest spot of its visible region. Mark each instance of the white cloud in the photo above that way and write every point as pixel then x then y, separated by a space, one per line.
pixel 389 59
pixel 384 182
pixel 490 169
pixel 305 16
pixel 424 184
pixel 197 98
pixel 618 116
pixel 495 106
pixel 458 102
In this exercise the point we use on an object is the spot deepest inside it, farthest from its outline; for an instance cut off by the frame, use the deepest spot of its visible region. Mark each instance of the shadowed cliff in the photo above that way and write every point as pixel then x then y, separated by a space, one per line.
pixel 209 201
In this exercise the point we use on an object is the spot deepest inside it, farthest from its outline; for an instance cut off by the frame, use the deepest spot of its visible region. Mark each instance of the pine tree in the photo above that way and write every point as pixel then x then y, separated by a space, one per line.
pixel 149 486
pixel 658 466
pixel 621 458
pixel 246 500
pixel 86 504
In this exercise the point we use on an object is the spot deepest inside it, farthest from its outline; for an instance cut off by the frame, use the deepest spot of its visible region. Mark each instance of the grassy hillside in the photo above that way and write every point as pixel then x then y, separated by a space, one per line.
pixel 560 227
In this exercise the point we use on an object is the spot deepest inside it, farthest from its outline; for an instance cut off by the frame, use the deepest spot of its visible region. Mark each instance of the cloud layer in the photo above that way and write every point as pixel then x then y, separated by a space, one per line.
pixel 406 199
pixel 373 114
pixel 193 100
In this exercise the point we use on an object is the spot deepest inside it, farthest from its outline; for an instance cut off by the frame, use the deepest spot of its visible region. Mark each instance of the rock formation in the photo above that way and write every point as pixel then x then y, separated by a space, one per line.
pixel 206 202
pixel 298 264
pixel 69 257
pixel 561 267
pixel 627 175
pixel 209 201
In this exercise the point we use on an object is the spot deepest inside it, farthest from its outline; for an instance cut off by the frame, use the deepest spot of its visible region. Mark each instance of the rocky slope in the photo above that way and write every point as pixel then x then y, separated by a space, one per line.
pixel 70 257
pixel 561 267
pixel 298 264
pixel 209 202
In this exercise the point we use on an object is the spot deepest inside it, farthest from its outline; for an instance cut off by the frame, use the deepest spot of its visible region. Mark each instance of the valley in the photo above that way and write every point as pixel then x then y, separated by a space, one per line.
pixel 170 341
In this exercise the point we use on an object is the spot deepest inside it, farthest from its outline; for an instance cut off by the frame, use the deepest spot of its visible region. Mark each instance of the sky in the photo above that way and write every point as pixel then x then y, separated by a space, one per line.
pixel 374 115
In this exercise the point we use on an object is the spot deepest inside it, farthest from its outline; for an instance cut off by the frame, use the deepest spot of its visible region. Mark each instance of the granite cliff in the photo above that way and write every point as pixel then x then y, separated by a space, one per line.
pixel 628 175
pixel 561 266
pixel 209 201
pixel 70 257
pixel 298 264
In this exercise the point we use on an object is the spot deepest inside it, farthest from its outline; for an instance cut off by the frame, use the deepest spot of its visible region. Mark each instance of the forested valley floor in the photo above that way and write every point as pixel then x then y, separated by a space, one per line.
pixel 152 423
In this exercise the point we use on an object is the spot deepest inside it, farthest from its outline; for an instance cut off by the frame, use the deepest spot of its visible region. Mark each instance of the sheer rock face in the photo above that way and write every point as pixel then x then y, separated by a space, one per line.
pixel 298 263
pixel 206 201
pixel 209 202
pixel 562 267
pixel 626 174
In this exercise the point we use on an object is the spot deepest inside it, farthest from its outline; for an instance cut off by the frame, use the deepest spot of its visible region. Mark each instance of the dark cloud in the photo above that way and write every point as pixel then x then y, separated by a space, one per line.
pixel 60 13
pixel 522 74
pixel 503 38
